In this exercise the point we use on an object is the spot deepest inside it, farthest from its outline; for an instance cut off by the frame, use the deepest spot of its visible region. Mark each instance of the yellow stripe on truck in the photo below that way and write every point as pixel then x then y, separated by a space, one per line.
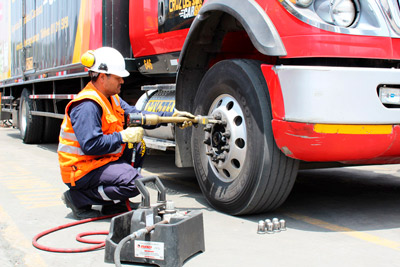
pixel 82 32
pixel 353 129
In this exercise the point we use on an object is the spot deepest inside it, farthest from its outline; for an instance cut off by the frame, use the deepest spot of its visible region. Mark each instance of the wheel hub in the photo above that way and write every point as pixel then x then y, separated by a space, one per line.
pixel 226 142
pixel 217 139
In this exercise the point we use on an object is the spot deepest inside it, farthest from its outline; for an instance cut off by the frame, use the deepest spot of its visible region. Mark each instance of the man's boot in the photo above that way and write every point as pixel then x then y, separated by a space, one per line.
pixel 82 213
pixel 118 208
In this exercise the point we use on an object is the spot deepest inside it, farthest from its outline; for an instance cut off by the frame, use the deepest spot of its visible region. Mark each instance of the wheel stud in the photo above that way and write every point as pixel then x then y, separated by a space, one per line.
pixel 210 154
pixel 224 123
pixel 207 141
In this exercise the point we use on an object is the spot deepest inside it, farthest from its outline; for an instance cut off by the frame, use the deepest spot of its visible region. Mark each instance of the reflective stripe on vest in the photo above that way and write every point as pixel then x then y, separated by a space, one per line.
pixel 70 149
pixel 115 100
pixel 68 136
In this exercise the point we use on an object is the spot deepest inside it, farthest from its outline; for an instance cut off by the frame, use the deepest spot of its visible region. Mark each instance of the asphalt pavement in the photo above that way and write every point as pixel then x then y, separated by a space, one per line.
pixel 334 217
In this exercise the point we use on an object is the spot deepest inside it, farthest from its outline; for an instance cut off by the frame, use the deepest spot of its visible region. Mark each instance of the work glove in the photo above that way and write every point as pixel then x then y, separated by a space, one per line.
pixel 186 114
pixel 132 135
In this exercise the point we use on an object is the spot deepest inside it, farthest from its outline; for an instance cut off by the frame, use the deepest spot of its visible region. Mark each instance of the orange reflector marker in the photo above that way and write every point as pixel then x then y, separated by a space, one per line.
pixel 353 129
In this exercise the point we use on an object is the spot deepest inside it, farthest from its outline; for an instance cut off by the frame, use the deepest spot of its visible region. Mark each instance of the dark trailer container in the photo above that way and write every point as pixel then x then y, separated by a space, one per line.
pixel 41 43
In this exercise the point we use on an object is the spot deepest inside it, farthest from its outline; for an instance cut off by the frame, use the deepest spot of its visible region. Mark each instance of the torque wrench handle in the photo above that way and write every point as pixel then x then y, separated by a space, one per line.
pixel 139 119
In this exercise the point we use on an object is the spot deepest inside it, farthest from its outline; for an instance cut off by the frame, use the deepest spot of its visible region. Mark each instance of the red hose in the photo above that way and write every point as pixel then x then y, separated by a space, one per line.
pixel 99 244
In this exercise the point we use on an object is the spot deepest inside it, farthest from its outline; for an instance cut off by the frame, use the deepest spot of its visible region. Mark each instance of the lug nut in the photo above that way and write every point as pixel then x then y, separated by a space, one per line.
pixel 226 148
pixel 227 134
pixel 210 154
pixel 277 226
pixel 224 123
pixel 221 157
pixel 217 116
pixel 208 128
pixel 261 227
pixel 282 225
pixel 207 141
pixel 270 227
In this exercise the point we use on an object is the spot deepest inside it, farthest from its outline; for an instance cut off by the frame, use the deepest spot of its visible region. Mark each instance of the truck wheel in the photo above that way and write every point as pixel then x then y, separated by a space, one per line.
pixel 239 168
pixel 52 126
pixel 30 127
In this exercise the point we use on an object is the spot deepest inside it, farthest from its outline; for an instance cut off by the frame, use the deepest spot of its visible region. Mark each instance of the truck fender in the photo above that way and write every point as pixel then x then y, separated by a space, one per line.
pixel 193 60
pixel 255 21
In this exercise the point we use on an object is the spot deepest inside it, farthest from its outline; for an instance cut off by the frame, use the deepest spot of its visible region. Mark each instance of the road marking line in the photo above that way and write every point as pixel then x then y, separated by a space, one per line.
pixel 34 191
pixel 18 241
pixel 30 190
pixel 347 231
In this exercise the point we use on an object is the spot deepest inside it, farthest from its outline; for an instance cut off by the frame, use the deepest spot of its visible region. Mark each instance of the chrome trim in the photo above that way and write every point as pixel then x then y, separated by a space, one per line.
pixel 391 10
pixel 48 114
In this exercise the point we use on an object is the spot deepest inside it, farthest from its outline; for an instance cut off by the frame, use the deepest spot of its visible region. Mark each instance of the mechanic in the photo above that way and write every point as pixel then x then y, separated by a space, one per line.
pixel 93 155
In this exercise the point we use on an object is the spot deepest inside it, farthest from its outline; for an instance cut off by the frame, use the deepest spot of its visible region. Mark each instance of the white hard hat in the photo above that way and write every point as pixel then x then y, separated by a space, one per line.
pixel 107 60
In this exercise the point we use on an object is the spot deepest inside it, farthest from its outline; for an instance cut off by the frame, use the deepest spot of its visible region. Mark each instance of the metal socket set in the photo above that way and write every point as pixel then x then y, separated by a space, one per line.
pixel 270 227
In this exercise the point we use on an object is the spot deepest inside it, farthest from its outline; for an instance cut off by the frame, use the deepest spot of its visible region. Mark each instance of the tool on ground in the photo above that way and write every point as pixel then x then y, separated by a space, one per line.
pixel 139 119
pixel 270 227
pixel 155 233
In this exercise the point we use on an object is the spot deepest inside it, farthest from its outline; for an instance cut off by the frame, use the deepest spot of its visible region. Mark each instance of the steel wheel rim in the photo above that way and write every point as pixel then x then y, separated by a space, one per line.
pixel 226 143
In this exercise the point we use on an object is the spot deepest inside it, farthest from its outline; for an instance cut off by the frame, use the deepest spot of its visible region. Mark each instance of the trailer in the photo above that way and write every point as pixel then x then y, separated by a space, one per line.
pixel 309 83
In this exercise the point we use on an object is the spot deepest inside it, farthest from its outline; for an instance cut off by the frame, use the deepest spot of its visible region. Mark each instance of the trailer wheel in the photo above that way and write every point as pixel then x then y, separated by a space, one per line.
pixel 52 126
pixel 30 127
pixel 239 168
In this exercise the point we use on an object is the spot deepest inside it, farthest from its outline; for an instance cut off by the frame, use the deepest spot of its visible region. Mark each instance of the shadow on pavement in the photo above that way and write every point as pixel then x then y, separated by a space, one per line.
pixel 350 198
pixel 356 198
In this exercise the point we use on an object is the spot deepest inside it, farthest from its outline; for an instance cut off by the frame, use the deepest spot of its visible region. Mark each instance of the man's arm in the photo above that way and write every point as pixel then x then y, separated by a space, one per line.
pixel 86 122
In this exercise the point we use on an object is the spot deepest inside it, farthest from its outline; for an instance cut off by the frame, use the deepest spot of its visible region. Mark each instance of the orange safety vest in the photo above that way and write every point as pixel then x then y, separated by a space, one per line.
pixel 74 164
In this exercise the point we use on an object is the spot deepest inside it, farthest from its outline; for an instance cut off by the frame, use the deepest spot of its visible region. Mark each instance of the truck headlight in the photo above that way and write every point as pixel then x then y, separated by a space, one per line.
pixel 343 12
pixel 346 16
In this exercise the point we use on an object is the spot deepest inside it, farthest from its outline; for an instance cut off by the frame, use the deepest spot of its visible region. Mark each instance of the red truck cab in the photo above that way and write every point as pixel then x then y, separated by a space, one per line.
pixel 294 81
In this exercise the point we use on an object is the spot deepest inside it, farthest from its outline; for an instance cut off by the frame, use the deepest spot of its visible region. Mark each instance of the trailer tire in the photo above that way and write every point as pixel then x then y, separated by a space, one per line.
pixel 30 127
pixel 255 176
pixel 52 126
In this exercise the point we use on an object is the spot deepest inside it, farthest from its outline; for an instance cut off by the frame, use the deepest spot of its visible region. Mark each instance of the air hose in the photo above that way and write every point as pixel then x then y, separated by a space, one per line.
pixel 79 237
pixel 99 244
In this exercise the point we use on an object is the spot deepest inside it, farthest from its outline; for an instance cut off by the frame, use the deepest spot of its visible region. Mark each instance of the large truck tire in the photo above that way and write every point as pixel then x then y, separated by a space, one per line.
pixel 30 127
pixel 239 168
pixel 52 126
